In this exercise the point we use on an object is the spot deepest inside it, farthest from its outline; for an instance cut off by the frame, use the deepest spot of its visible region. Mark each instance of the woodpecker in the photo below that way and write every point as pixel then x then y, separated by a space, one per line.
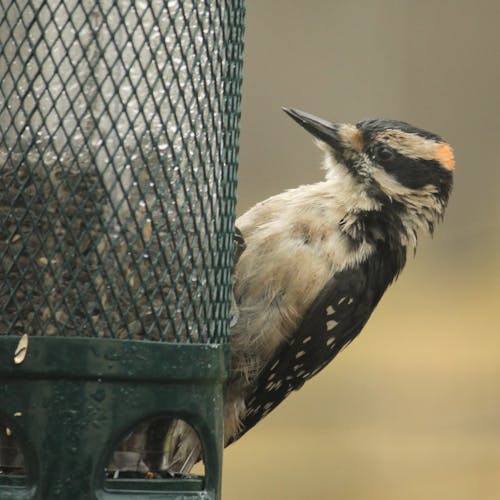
pixel 317 259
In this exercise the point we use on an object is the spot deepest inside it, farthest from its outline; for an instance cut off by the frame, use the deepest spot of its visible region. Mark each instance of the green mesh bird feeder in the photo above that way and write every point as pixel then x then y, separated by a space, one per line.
pixel 118 156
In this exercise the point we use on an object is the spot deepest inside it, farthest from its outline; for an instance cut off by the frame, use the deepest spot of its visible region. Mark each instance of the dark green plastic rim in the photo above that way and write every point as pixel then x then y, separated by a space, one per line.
pixel 113 359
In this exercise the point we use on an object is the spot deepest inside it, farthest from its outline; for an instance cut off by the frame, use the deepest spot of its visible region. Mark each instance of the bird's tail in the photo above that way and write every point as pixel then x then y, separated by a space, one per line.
pixel 163 446
pixel 181 448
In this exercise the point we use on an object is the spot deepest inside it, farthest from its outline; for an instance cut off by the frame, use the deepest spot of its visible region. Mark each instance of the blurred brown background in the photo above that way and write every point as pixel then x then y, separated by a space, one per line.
pixel 411 410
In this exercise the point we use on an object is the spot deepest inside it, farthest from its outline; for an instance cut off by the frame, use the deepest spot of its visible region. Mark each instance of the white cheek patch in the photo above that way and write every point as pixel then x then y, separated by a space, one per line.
pixel 411 197
pixel 388 184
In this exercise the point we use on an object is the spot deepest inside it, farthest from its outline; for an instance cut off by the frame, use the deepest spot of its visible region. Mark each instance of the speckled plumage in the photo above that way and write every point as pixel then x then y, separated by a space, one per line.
pixel 318 258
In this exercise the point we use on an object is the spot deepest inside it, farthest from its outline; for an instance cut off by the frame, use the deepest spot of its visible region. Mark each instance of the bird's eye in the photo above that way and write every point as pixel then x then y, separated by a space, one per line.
pixel 383 153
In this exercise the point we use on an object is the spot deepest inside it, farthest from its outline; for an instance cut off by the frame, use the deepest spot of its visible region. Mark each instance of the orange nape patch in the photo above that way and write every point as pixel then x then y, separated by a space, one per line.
pixel 444 155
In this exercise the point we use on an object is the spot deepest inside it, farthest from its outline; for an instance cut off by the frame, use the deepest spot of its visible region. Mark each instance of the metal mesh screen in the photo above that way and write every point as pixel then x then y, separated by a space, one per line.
pixel 118 145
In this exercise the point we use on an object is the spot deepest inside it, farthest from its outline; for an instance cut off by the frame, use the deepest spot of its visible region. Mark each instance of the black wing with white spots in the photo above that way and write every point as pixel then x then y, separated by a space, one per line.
pixel 334 319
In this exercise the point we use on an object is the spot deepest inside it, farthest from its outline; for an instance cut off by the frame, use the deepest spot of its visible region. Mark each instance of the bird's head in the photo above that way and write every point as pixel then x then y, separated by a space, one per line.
pixel 393 164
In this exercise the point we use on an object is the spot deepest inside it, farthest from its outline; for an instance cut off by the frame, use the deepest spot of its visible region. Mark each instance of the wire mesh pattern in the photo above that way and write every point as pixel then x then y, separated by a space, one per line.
pixel 118 149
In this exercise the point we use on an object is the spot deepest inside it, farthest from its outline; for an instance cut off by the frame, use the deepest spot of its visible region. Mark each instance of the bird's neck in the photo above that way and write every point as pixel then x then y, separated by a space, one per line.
pixel 384 231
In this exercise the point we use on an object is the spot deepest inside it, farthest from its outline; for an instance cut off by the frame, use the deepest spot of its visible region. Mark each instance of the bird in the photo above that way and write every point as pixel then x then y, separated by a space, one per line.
pixel 314 261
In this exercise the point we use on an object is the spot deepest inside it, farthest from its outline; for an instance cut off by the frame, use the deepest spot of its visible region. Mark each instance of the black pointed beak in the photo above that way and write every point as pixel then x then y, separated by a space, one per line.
pixel 321 129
